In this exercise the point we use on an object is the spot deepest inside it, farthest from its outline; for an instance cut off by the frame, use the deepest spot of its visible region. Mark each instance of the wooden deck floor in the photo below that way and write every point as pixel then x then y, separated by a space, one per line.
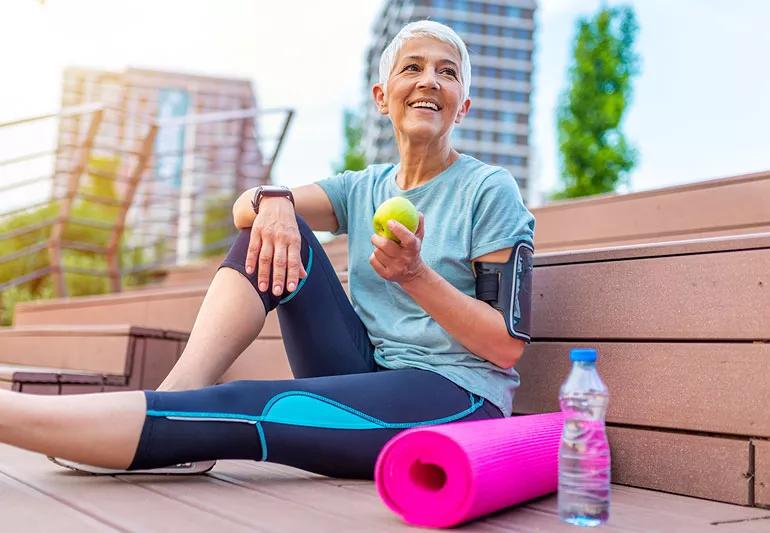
pixel 35 495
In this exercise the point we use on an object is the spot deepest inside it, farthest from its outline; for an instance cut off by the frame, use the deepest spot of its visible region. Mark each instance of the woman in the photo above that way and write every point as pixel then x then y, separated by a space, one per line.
pixel 417 347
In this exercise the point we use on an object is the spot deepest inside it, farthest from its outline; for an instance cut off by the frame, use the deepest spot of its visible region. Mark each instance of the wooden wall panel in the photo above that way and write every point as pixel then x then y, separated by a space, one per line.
pixel 762 472
pixel 159 358
pixel 263 359
pixel 695 297
pixel 97 353
pixel 713 387
pixel 738 204
pixel 706 467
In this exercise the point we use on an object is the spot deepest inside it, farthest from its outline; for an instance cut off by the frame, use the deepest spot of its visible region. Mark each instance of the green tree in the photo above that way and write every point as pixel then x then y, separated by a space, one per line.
pixel 353 158
pixel 98 182
pixel 595 156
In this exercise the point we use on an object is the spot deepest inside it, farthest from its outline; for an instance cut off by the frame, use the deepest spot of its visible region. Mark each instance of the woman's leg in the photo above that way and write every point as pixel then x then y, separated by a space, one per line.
pixel 230 318
pixel 322 333
pixel 333 425
pixel 100 429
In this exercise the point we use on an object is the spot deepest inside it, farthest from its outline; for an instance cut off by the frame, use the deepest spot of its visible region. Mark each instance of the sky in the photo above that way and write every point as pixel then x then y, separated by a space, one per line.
pixel 700 108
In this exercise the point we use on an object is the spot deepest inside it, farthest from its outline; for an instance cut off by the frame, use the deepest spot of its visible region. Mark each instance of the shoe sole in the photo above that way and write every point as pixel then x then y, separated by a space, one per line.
pixel 180 469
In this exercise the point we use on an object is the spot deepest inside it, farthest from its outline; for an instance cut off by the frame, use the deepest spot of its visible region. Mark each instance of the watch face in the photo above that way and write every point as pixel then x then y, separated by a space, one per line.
pixel 272 189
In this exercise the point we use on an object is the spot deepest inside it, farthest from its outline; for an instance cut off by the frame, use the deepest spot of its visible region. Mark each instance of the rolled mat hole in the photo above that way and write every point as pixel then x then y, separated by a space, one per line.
pixel 427 476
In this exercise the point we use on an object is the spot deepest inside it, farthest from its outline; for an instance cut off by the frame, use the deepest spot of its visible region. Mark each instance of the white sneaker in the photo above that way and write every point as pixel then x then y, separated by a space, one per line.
pixel 199 467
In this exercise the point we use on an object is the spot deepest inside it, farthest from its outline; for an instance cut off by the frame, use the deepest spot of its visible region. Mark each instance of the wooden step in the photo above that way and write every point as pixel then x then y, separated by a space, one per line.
pixel 711 289
pixel 173 308
pixel 727 206
pixel 126 356
pixel 701 387
pixel 197 273
pixel 683 334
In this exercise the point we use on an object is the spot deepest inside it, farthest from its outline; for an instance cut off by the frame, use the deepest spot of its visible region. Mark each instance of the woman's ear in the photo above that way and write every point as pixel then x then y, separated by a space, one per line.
pixel 379 98
pixel 463 111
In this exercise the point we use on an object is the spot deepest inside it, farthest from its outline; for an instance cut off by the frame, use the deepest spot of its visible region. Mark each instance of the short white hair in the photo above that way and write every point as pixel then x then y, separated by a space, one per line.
pixel 425 28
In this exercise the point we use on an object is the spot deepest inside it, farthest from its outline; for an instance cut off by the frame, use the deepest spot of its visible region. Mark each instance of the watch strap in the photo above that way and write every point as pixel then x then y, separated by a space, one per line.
pixel 270 190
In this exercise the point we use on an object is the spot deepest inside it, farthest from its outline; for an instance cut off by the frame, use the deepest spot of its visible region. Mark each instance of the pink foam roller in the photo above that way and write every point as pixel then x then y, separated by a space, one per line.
pixel 441 476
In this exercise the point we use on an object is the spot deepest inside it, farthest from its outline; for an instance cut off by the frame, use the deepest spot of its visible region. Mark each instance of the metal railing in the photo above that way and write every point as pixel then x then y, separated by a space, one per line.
pixel 113 200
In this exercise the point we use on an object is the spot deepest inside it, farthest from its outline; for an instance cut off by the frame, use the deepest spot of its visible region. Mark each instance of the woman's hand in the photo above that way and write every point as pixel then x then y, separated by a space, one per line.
pixel 399 262
pixel 275 245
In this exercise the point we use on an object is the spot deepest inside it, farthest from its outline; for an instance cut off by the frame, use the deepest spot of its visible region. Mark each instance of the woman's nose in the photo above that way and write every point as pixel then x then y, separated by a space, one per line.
pixel 428 79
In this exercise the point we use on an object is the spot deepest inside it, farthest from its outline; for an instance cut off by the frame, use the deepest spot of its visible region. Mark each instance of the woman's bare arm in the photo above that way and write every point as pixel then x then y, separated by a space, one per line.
pixel 475 324
pixel 310 202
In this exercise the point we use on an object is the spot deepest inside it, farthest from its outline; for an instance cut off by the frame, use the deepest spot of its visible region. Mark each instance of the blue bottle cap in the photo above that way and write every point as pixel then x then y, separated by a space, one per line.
pixel 582 354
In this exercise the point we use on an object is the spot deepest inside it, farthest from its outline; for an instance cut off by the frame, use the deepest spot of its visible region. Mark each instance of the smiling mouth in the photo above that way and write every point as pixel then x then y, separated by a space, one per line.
pixel 424 104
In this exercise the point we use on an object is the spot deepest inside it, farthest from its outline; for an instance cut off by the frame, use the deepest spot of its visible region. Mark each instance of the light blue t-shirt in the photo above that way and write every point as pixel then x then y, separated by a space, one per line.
pixel 470 209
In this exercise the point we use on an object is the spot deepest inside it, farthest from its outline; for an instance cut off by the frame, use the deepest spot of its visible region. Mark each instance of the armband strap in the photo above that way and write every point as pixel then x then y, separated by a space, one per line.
pixel 508 288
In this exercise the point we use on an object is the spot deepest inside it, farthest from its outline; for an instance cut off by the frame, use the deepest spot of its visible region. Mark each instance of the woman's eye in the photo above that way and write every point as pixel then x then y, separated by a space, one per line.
pixel 450 71
pixel 412 67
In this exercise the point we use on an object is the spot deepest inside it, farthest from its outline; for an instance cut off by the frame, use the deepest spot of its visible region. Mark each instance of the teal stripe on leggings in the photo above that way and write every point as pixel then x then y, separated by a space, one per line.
pixel 300 408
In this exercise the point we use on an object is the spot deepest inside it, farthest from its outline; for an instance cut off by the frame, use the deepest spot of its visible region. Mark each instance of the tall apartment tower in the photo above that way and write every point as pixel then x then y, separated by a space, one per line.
pixel 498 34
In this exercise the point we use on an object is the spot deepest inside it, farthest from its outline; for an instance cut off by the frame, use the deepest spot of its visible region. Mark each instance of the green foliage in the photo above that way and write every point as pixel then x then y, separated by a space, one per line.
pixel 98 182
pixel 217 225
pixel 353 158
pixel 595 156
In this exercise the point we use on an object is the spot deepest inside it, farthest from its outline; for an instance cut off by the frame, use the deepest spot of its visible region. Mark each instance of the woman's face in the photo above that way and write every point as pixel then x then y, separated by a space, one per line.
pixel 424 95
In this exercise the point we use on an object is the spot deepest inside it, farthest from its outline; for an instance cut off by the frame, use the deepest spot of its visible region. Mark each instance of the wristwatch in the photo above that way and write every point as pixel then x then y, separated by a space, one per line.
pixel 270 190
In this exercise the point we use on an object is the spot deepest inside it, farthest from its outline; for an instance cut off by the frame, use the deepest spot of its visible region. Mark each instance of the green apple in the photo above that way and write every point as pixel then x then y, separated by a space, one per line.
pixel 399 209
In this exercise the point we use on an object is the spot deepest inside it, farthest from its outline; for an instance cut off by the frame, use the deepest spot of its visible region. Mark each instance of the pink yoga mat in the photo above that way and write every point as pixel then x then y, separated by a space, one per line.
pixel 441 476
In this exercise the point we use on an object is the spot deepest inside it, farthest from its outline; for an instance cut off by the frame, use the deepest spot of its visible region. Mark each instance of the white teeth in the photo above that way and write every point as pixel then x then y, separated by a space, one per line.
pixel 429 105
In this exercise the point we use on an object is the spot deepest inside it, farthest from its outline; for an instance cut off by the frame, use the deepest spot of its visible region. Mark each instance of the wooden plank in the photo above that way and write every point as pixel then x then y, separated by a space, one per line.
pixel 89 353
pixel 79 388
pixel 709 387
pixel 761 472
pixel 40 388
pixel 358 500
pixel 735 204
pixel 248 502
pixel 29 510
pixel 696 297
pixel 263 359
pixel 714 468
pixel 647 510
pixel 732 243
pixel 160 355
pixel 122 505
pixel 656 239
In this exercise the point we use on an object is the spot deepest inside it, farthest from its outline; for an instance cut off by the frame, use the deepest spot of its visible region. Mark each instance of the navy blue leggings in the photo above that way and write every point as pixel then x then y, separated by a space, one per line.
pixel 337 414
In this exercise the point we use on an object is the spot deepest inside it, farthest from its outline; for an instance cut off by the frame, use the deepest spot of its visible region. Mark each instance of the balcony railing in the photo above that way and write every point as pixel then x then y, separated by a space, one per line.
pixel 104 208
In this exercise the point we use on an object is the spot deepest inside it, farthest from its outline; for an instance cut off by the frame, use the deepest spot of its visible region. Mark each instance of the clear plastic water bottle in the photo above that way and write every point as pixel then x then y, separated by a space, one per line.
pixel 584 453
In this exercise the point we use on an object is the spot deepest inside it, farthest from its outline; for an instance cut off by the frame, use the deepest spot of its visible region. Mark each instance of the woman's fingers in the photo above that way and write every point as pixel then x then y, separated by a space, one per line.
pixel 279 267
pixel 252 253
pixel 378 266
pixel 421 228
pixel 265 263
pixel 407 238
pixel 388 247
pixel 294 269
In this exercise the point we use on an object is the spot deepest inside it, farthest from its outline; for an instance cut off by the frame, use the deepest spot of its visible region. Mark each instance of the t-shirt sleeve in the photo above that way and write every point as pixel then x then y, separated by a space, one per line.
pixel 337 188
pixel 500 219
